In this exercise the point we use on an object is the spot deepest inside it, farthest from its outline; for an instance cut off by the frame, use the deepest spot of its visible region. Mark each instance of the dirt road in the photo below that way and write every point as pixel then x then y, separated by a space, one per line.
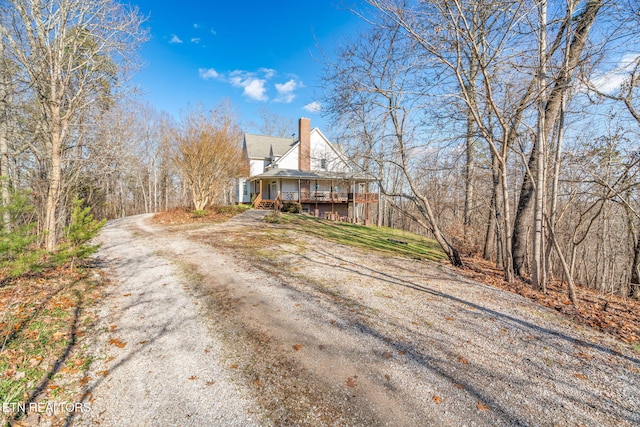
pixel 244 324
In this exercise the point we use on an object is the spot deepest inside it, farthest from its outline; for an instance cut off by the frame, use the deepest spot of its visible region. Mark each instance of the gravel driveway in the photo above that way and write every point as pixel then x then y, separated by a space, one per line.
pixel 225 325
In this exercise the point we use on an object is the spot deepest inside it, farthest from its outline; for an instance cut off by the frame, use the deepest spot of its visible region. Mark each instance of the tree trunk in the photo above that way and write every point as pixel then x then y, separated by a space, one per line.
pixel 53 193
pixel 634 286
pixel 470 148
pixel 489 249
pixel 565 266
pixel 538 268
pixel 524 213
pixel 4 143
pixel 493 239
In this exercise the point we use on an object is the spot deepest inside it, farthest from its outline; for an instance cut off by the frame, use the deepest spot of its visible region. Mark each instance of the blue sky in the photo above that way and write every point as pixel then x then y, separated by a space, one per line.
pixel 254 53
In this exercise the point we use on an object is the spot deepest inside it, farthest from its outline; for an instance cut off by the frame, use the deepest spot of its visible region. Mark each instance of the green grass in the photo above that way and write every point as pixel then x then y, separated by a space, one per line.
pixel 380 239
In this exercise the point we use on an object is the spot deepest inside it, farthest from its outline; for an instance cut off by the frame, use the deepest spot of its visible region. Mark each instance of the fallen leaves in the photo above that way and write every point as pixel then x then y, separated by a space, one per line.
pixel 463 360
pixel 58 335
pixel 584 356
pixel 351 381
pixel 193 378
pixel 482 406
pixel 580 376
pixel 608 313
pixel 117 342
pixel 184 215
pixel 297 347
pixel 437 399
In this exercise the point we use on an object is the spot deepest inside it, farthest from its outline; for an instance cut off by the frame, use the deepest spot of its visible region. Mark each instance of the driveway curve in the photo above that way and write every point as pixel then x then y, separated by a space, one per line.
pixel 244 323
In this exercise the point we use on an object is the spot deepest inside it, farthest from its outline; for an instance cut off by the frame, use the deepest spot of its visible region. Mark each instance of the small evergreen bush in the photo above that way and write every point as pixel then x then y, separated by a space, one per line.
pixel 199 213
pixel 81 229
pixel 292 207
pixel 18 242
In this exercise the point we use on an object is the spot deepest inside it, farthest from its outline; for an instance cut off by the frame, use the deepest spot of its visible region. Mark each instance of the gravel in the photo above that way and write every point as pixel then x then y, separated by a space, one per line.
pixel 225 325
pixel 156 364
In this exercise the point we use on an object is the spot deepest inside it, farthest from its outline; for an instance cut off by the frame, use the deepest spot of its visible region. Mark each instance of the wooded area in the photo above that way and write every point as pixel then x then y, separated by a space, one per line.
pixel 72 127
pixel 507 129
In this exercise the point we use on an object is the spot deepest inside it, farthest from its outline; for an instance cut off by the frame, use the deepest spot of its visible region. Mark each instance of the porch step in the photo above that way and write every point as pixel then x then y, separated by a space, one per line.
pixel 265 205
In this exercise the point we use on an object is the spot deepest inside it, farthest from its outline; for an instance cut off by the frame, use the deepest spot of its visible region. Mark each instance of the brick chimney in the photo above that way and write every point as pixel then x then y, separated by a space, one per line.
pixel 304 150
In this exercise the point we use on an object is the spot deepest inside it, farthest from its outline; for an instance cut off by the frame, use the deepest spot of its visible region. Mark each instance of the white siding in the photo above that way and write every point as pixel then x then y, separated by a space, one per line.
pixel 243 191
pixel 289 160
pixel 324 156
pixel 256 166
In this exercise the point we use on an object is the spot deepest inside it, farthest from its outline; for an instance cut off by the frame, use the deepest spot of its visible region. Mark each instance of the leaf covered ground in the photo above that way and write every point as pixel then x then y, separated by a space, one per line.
pixel 42 360
pixel 184 215
pixel 608 313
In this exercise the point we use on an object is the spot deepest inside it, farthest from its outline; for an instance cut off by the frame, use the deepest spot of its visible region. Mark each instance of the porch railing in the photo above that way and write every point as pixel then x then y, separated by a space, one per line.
pixel 328 197
pixel 257 200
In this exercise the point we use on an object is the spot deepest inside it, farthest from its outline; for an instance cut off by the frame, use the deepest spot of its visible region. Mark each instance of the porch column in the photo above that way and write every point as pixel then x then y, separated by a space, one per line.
pixel 368 203
pixel 299 190
pixel 331 194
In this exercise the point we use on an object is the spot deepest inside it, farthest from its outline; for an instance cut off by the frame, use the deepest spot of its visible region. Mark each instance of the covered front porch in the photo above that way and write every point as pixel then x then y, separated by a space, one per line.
pixel 341 196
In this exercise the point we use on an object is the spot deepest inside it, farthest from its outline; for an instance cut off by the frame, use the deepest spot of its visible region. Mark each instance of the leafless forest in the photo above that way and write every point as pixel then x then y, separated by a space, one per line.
pixel 504 129
pixel 507 129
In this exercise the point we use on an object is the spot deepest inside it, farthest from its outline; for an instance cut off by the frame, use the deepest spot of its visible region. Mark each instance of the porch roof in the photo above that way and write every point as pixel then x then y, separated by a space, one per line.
pixel 318 175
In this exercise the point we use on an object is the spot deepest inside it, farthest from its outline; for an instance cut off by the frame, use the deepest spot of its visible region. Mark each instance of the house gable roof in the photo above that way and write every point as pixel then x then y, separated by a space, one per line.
pixel 338 151
pixel 260 146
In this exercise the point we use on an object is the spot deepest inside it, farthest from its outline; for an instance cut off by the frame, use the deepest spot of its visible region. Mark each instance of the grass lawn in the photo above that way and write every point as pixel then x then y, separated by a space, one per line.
pixel 381 239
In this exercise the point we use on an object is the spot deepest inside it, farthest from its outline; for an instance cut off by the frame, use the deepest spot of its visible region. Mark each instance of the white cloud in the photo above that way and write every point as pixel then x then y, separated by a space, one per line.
pixel 286 91
pixel 313 107
pixel 611 81
pixel 254 87
pixel 255 90
pixel 268 72
pixel 195 40
pixel 214 32
pixel 175 39
pixel 196 26
pixel 208 73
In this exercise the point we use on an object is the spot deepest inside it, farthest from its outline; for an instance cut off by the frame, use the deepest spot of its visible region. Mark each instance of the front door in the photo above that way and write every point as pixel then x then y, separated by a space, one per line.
pixel 273 190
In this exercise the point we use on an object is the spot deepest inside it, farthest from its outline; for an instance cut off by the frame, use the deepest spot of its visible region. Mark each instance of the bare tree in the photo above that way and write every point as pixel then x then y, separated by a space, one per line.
pixel 274 124
pixel 208 153
pixel 4 137
pixel 72 52
pixel 371 89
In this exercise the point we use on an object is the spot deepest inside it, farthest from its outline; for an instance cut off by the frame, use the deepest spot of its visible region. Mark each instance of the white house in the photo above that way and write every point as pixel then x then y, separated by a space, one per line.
pixel 309 170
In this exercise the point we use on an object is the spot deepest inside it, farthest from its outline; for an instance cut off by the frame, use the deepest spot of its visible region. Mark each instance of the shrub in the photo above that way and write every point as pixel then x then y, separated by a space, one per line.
pixel 82 228
pixel 292 207
pixel 199 213
pixel 18 252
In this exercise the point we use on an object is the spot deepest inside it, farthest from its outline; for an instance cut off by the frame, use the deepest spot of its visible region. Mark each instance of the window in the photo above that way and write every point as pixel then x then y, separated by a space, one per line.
pixel 323 164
